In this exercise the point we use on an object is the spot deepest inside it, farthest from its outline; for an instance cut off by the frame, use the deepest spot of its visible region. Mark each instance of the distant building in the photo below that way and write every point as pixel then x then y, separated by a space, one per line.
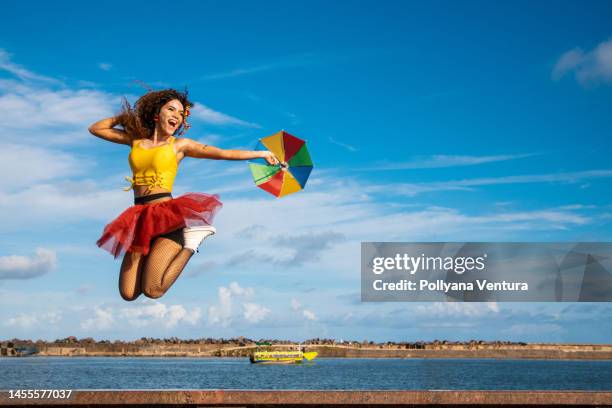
pixel 8 349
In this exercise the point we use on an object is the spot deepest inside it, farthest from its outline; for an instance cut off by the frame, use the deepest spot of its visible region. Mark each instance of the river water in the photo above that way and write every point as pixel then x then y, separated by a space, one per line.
pixel 321 374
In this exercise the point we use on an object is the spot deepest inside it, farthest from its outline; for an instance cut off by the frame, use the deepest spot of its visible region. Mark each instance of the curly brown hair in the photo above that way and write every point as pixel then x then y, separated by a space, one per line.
pixel 139 121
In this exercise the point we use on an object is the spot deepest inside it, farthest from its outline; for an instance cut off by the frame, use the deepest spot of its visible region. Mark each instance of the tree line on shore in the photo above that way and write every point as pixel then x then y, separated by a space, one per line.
pixel 243 341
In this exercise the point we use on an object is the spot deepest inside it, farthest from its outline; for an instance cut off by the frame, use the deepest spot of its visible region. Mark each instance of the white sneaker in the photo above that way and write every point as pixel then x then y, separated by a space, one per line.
pixel 195 235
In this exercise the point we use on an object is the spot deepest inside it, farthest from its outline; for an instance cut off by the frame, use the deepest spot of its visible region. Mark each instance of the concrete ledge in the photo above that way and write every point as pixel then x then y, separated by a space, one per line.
pixel 217 398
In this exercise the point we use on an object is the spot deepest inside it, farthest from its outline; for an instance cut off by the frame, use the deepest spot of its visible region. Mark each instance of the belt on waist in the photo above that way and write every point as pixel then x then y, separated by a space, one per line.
pixel 150 197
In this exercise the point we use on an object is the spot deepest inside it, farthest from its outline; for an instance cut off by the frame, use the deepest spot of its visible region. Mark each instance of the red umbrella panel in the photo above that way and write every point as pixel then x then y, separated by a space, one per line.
pixel 291 174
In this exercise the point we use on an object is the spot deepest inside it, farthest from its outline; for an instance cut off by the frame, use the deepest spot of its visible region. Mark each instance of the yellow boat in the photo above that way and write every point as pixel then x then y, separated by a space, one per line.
pixel 282 356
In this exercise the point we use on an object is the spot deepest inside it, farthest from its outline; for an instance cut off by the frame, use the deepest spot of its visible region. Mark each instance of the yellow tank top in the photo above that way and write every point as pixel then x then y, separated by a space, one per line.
pixel 153 167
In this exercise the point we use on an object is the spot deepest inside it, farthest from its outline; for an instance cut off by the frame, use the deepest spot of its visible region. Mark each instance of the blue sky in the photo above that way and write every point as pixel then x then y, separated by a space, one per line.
pixel 432 121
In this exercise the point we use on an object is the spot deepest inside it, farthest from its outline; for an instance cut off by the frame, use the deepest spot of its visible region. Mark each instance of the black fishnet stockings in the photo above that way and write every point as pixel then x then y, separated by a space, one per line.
pixel 130 275
pixel 155 273
pixel 164 264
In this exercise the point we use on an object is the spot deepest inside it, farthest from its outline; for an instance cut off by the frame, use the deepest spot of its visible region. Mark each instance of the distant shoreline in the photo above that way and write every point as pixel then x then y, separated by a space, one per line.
pixel 241 349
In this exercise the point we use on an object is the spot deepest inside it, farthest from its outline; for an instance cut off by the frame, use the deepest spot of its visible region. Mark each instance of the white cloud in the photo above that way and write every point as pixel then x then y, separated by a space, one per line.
pixel 588 67
pixel 155 313
pixel 237 290
pixel 42 112
pixel 254 313
pixel 23 267
pixel 567 62
pixel 102 320
pixel 148 313
pixel 25 321
pixel 193 316
pixel 61 202
pixel 309 315
pixel 208 115
pixel 105 66
pixel 297 306
pixel 52 317
pixel 223 312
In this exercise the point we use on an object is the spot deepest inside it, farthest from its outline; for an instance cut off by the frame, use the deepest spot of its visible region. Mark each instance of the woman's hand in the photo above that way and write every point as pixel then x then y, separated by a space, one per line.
pixel 270 157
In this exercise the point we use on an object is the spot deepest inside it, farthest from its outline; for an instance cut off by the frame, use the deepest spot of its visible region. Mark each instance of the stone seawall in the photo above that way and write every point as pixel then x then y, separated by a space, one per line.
pixel 553 352
pixel 525 353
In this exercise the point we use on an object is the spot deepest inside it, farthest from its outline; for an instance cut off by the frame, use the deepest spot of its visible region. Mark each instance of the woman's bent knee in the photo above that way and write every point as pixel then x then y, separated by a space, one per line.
pixel 154 292
pixel 129 296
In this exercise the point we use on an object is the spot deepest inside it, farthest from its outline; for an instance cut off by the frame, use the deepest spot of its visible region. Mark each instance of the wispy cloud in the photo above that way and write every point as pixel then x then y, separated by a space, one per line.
pixel 241 71
pixel 278 63
pixel 22 73
pixel 261 102
pixel 58 202
pixel 27 109
pixel 423 316
pixel 346 146
pixel 588 67
pixel 299 249
pixel 348 210
pixel 36 164
pixel 439 161
pixel 468 184
pixel 209 115
pixel 524 329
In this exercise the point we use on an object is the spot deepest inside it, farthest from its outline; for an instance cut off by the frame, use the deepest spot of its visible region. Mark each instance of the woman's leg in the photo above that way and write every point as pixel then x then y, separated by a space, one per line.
pixel 164 264
pixel 131 275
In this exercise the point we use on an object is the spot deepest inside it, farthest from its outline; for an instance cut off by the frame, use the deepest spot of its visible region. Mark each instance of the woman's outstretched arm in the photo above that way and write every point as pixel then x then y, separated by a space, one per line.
pixel 191 148
pixel 105 129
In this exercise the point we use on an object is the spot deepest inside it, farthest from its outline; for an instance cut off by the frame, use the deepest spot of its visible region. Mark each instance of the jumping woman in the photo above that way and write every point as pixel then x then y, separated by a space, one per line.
pixel 159 234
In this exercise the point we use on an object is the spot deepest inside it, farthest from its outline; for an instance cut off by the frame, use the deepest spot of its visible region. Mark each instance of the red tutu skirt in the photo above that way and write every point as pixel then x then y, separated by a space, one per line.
pixel 133 230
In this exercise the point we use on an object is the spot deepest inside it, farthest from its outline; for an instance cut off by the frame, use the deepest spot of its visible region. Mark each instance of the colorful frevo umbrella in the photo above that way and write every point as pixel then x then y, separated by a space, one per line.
pixel 295 165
